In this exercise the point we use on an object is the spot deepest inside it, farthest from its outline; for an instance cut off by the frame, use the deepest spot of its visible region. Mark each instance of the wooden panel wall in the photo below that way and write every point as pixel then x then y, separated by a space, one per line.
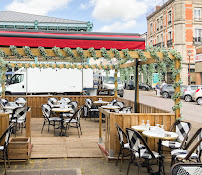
pixel 129 120
pixel 143 108
pixel 4 122
pixel 35 102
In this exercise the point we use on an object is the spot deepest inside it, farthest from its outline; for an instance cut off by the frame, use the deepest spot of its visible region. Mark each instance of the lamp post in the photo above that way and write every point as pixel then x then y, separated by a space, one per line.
pixel 189 54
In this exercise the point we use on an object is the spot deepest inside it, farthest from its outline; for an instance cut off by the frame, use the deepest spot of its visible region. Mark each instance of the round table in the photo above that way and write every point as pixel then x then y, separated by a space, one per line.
pixel 110 107
pixel 100 102
pixel 172 136
pixel 61 116
pixel 59 105
pixel 139 128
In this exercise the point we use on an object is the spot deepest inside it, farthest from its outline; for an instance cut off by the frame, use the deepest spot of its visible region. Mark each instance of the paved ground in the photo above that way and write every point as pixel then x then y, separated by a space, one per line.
pixel 87 166
pixel 190 110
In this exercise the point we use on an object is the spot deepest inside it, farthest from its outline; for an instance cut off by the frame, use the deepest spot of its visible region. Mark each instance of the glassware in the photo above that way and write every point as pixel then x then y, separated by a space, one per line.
pixel 143 124
pixel 147 125
pixel 162 130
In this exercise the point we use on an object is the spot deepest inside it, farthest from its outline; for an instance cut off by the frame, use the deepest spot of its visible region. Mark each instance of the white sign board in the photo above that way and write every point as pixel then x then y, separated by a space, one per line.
pixel 198 57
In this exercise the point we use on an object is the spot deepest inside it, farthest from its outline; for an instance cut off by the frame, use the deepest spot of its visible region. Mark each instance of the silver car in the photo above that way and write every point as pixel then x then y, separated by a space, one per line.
pixel 189 92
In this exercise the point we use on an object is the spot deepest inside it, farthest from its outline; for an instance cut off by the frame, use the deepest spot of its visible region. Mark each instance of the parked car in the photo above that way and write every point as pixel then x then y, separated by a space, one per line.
pixel 131 86
pixel 168 90
pixel 189 92
pixel 198 96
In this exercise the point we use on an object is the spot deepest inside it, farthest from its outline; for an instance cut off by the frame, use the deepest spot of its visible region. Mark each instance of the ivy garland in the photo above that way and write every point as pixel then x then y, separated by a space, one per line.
pixel 115 81
pixel 141 55
pixel 3 54
pixel 116 54
pixel 93 53
pixel 57 52
pixel 81 54
pixel 105 54
pixel 69 53
pixel 3 70
pixel 28 52
pixel 43 53
pixel 15 52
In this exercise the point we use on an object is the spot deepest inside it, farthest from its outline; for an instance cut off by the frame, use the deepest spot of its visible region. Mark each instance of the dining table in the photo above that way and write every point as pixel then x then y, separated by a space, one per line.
pixel 100 103
pixel 110 107
pixel 60 111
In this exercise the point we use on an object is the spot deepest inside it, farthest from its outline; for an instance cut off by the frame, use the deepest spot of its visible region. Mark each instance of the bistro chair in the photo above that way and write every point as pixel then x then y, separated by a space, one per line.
pixel 186 169
pixel 19 117
pixel 74 121
pixel 127 109
pixel 52 101
pixel 182 129
pixel 66 99
pixel 184 154
pixel 21 101
pixel 46 110
pixel 74 105
pixel 124 146
pixel 3 102
pixel 91 110
pixel 138 152
pixel 119 104
pixel 4 148
pixel 113 101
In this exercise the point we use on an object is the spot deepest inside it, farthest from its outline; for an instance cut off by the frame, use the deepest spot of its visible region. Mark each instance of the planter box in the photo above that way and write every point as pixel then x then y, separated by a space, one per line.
pixel 19 148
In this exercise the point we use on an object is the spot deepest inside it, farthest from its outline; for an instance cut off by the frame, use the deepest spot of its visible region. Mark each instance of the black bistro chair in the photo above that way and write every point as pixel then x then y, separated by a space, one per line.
pixel 74 121
pixel 179 155
pixel 46 110
pixel 4 147
pixel 138 152
pixel 91 109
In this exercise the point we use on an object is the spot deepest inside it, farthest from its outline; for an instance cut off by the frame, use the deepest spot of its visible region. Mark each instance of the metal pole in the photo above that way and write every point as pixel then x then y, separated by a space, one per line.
pixel 189 72
pixel 136 85
pixel 82 79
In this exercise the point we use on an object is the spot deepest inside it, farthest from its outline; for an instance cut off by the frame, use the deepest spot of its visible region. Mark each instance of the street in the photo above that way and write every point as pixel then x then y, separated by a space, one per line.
pixel 190 110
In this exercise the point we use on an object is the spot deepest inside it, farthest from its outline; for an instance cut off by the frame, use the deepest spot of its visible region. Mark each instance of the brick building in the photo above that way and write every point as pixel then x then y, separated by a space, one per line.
pixel 177 24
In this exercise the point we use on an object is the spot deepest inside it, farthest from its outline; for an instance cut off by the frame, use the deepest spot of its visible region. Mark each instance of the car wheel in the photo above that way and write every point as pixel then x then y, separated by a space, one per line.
pixel 144 88
pixel 188 98
pixel 165 95
pixel 199 101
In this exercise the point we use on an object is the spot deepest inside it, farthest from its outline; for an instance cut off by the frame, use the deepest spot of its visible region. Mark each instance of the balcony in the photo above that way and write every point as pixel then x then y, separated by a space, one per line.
pixel 161 44
pixel 169 22
pixel 161 27
pixel 157 29
pixel 197 41
pixel 170 43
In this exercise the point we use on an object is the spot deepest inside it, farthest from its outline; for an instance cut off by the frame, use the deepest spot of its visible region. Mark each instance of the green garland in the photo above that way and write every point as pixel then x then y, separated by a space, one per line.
pixel 116 54
pixel 115 81
pixel 93 53
pixel 81 54
pixel 43 53
pixel 105 54
pixel 141 55
pixel 14 51
pixel 57 52
pixel 3 70
pixel 69 53
pixel 28 52
pixel 3 54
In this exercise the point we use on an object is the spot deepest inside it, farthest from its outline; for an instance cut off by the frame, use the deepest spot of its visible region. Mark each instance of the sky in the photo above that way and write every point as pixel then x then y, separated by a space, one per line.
pixel 122 16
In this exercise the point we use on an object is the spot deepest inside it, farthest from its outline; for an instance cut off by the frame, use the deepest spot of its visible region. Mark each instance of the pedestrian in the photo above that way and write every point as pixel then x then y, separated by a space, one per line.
pixel 157 89
pixel 163 84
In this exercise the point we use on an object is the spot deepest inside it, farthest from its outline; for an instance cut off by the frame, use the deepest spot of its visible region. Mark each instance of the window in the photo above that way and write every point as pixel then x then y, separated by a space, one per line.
pixel 151 42
pixel 169 17
pixel 151 28
pixel 157 39
pixel 17 78
pixel 161 22
pixel 157 25
pixel 194 87
pixel 197 13
pixel 161 37
pixel 169 35
pixel 197 34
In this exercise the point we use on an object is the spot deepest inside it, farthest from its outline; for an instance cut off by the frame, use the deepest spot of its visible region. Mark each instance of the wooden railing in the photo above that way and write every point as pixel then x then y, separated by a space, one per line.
pixel 111 140
pixel 35 102
pixel 143 108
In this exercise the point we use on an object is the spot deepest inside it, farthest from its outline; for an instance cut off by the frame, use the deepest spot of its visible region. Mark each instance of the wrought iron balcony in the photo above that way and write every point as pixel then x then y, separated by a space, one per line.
pixel 161 27
pixel 170 43
pixel 169 22
pixel 161 44
pixel 197 41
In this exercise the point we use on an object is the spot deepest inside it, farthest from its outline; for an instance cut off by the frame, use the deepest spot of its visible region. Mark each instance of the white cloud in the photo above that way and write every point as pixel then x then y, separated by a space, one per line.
pixel 118 26
pixel 107 10
pixel 39 7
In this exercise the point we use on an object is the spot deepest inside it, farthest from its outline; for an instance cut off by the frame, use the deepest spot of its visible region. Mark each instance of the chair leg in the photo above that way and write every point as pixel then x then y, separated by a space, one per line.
pixel 7 157
pixel 21 127
pixel 118 157
pixel 4 157
pixel 54 128
pixel 130 163
pixel 122 160
pixel 80 128
pixel 42 127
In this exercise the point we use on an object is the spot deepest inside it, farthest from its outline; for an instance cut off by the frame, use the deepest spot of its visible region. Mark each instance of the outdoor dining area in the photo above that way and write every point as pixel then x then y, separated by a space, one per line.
pixel 66 126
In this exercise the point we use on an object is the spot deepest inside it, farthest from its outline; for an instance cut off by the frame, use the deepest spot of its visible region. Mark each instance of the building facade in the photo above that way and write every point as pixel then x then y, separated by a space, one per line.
pixel 177 24
pixel 18 20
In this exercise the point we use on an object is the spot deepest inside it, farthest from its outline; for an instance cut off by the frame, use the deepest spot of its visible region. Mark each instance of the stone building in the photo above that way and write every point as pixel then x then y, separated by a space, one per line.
pixel 177 24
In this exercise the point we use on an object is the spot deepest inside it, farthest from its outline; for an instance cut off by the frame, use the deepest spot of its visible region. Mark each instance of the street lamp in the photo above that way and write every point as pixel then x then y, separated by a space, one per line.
pixel 189 54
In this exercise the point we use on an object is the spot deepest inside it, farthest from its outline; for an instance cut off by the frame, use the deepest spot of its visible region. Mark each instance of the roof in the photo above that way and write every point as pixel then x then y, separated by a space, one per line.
pixel 11 16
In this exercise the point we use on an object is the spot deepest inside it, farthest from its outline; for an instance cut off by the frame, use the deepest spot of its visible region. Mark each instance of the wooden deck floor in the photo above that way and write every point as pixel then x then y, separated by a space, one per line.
pixel 45 145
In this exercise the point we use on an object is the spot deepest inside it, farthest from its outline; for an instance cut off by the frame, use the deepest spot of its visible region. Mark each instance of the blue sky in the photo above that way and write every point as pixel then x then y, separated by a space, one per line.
pixel 126 16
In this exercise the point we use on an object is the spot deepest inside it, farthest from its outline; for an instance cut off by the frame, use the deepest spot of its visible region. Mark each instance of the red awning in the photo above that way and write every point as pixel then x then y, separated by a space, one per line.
pixel 71 39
